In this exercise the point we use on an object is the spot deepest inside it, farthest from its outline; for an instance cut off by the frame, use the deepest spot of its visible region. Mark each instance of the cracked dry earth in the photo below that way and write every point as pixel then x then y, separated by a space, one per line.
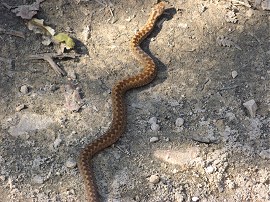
pixel 189 137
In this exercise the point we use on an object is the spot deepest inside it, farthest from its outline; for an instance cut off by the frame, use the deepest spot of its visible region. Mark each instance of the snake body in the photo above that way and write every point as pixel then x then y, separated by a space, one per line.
pixel 118 123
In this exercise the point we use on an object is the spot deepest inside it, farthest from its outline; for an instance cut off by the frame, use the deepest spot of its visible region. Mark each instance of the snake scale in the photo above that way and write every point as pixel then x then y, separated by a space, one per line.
pixel 118 123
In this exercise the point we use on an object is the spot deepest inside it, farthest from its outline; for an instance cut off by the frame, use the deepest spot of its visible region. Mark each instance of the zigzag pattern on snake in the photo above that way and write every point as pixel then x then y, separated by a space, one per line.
pixel 118 123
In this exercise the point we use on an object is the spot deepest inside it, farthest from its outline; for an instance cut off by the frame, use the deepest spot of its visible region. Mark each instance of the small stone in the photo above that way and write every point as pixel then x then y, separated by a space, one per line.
pixel 154 179
pixel 251 107
pixel 230 184
pixel 209 169
pixel 174 103
pixel 179 197
pixel 183 25
pixel 86 33
pixel 154 139
pixel 249 13
pixel 265 154
pixel 2 177
pixel 234 74
pixel 57 142
pixel 20 107
pixel 179 122
pixel 152 120
pixel 71 163
pixel 24 89
pixel 265 5
pixel 175 171
pixel 166 139
pixel 72 75
pixel 195 198
pixel 38 179
pixel 155 127
pixel 230 116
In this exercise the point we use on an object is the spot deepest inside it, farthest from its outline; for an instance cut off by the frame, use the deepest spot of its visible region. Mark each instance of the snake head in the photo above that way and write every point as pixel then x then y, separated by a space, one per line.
pixel 158 9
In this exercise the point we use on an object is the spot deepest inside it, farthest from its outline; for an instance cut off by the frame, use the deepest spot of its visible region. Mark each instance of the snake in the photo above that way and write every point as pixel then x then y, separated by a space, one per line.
pixel 118 123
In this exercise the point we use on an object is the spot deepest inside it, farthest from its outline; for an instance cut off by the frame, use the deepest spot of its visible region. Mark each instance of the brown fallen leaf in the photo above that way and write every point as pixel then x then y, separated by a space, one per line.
pixel 72 97
pixel 25 11
pixel 37 25
pixel 227 42
pixel 265 5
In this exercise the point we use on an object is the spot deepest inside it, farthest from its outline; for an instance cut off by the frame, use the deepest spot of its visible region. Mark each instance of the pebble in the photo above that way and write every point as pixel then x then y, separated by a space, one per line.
pixel 38 179
pixel 154 139
pixel 72 75
pixel 183 25
pixel 155 127
pixel 71 163
pixel 20 107
pixel 174 103
pixel 230 184
pixel 179 122
pixel 24 89
pixel 179 197
pixel 195 198
pixel 175 171
pixel 154 179
pixel 86 33
pixel 265 154
pixel 2 177
pixel 234 74
pixel 152 120
pixel 251 106
pixel 57 142
pixel 230 116
pixel 209 169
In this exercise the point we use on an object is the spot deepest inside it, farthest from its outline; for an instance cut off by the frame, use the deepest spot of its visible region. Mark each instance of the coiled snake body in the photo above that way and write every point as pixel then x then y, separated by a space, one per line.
pixel 118 105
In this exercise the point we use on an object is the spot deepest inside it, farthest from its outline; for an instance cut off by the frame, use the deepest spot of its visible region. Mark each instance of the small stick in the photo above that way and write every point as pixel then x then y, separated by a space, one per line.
pixel 103 4
pixel 124 151
pixel 237 2
pixel 12 32
pixel 8 6
pixel 228 88
pixel 49 58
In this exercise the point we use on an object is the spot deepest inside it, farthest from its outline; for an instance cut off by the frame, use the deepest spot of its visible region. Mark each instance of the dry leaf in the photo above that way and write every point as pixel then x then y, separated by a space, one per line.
pixel 62 41
pixel 73 98
pixel 227 42
pixel 241 3
pixel 27 11
pixel 265 5
pixel 257 3
pixel 231 17
pixel 46 40
pixel 39 28
pixel 65 39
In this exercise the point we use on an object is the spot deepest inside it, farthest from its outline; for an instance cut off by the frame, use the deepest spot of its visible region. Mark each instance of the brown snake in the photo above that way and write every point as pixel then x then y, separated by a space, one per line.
pixel 118 123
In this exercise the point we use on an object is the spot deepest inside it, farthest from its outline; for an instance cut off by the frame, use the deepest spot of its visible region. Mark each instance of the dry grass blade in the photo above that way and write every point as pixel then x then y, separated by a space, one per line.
pixel 49 58
pixel 13 33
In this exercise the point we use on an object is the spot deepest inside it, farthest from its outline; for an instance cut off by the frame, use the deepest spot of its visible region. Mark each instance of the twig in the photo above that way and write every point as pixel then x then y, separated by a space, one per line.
pixel 49 58
pixel 110 9
pixel 12 32
pixel 106 5
pixel 203 85
pixel 124 151
pixel 8 6
pixel 228 88
pixel 103 4
pixel 237 2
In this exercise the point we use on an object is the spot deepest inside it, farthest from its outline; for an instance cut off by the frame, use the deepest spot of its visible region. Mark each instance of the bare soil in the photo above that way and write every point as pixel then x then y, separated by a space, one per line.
pixel 220 153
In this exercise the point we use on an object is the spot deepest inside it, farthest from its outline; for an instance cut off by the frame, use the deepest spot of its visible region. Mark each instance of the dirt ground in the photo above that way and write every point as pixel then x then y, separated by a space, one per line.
pixel 189 136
